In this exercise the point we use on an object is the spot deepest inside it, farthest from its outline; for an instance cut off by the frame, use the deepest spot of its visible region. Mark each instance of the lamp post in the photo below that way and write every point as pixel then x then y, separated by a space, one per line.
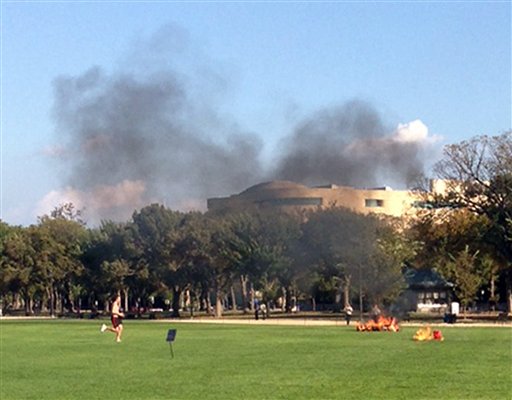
pixel 360 292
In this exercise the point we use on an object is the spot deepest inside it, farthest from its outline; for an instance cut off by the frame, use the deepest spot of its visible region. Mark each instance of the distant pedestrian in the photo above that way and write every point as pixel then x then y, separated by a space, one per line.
pixel 263 309
pixel 116 318
pixel 256 310
pixel 348 313
pixel 376 312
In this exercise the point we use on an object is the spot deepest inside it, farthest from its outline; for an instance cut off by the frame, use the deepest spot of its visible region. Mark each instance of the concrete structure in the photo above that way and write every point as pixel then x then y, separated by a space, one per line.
pixel 291 196
pixel 427 291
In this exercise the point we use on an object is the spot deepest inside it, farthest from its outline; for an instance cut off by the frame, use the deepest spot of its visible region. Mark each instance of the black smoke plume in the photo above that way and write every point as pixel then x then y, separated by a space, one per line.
pixel 145 135
pixel 126 128
pixel 351 146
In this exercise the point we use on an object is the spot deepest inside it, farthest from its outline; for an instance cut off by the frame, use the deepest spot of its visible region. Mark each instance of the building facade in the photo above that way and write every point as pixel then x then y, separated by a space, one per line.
pixel 292 196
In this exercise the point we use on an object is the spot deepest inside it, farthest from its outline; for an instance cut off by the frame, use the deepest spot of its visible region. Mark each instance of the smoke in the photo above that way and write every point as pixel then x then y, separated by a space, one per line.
pixel 99 202
pixel 147 129
pixel 149 133
pixel 352 146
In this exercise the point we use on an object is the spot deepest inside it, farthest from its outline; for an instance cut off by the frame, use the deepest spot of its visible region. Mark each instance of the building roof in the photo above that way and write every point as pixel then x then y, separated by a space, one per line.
pixel 292 196
pixel 273 185
pixel 425 278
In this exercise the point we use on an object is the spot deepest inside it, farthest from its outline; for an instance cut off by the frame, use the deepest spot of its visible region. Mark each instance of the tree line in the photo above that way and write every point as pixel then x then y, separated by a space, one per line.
pixel 210 261
pixel 166 254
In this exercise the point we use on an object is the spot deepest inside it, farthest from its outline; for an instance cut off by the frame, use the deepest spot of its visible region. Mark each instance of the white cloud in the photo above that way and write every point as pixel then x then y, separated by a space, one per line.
pixel 115 202
pixel 414 131
pixel 57 197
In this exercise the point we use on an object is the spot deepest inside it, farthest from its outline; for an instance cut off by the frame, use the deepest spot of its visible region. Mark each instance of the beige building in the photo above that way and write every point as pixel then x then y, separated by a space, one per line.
pixel 293 196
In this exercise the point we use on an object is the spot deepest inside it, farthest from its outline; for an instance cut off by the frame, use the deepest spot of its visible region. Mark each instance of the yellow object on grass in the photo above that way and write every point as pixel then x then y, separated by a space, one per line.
pixel 427 333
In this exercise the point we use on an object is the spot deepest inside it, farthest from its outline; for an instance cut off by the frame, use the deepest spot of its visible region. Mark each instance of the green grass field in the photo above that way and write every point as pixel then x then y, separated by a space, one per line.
pixel 73 360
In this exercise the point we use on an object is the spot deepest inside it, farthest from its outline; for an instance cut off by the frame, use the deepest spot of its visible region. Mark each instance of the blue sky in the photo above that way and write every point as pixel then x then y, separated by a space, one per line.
pixel 261 66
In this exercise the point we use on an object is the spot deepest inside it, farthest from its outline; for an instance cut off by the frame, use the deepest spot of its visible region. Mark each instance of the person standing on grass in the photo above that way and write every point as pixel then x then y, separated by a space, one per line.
pixel 116 317
pixel 348 313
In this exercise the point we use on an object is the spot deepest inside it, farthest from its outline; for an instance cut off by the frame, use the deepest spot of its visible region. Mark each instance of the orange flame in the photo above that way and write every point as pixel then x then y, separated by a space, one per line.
pixel 381 324
pixel 425 334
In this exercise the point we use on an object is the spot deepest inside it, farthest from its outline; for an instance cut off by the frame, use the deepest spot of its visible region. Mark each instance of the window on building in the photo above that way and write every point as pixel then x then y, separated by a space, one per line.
pixel 294 201
pixel 373 203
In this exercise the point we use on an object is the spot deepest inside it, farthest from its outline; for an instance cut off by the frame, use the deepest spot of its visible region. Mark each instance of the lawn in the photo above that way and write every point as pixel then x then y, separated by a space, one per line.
pixel 67 359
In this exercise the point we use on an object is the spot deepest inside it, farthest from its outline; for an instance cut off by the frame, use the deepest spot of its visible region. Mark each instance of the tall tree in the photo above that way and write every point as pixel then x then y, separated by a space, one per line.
pixel 449 234
pixel 394 249
pixel 197 265
pixel 478 177
pixel 7 270
pixel 341 244
pixel 116 262
pixel 60 243
pixel 172 245
pixel 68 212
pixel 17 267
pixel 259 246
pixel 464 269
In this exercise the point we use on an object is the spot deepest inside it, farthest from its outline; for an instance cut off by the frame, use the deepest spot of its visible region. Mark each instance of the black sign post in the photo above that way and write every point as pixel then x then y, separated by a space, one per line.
pixel 171 336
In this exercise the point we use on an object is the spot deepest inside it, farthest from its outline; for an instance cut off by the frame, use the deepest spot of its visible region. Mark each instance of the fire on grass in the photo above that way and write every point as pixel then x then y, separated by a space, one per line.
pixel 379 324
pixel 427 334
pixel 390 324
